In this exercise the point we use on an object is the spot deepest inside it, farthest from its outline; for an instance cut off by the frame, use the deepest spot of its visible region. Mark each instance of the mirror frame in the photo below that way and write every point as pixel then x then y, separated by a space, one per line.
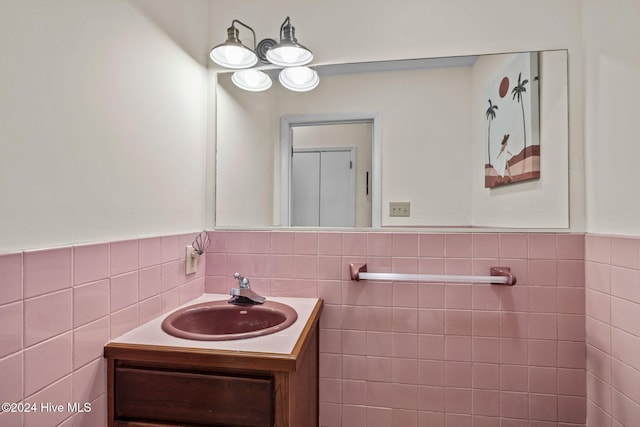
pixel 286 147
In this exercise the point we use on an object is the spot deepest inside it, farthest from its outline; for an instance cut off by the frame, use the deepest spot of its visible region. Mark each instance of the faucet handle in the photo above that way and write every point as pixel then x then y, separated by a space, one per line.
pixel 244 282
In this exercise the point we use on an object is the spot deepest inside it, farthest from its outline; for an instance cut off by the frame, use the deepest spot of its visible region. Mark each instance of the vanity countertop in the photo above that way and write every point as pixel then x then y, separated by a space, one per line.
pixel 282 342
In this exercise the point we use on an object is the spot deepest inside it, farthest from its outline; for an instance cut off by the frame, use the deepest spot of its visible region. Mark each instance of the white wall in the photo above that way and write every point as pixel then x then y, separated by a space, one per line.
pixel 612 116
pixel 428 28
pixel 103 118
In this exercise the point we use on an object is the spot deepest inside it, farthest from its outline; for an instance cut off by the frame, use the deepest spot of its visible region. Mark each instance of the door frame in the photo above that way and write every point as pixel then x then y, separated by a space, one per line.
pixel 286 146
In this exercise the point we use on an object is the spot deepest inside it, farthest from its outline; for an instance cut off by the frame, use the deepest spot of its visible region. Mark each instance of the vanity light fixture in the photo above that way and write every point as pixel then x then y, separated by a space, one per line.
pixel 299 79
pixel 232 53
pixel 251 80
pixel 289 53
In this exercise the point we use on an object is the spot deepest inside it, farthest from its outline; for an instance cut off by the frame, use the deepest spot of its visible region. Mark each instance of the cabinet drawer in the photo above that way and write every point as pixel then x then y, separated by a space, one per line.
pixel 199 398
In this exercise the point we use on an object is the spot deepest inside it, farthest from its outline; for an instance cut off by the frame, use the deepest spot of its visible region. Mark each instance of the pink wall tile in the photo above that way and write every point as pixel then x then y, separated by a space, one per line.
pixel 127 319
pixel 379 244
pixel 354 244
pixel 90 263
pixel 123 291
pixel 149 309
pixel 486 376
pixel 124 256
pixel 58 393
pixel 218 241
pixel 572 382
pixel 260 242
pixel 431 372
pixel 488 350
pixel 598 277
pixel 90 381
pixel 543 380
pixel 380 369
pixel 598 248
pixel 172 248
pixel 11 335
pixel 431 398
pixel 486 245
pixel 571 273
pixel 571 246
pixel 282 242
pixel 149 282
pixel 149 252
pixel 625 283
pixel 89 340
pixel 10 278
pixel 90 302
pixel 330 243
pixel 405 245
pixel 514 405
pixel 514 378
pixel 625 252
pixel 11 380
pixel 431 245
pixel 458 245
pixel 543 407
pixel 306 243
pixel 543 352
pixel 47 271
pixel 543 272
pixel 47 362
pixel 46 316
pixel 514 245
pixel 542 246
pixel 571 300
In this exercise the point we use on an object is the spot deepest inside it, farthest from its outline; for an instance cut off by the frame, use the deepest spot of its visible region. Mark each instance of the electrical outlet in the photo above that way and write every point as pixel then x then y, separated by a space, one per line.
pixel 191 257
pixel 400 209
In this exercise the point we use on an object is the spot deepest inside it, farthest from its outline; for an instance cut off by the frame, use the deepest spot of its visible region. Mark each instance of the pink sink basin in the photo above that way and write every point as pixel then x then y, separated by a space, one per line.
pixel 221 321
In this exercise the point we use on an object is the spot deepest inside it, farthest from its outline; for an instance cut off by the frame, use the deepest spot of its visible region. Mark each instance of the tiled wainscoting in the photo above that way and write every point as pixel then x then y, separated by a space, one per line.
pixel 421 354
pixel 58 307
pixel 392 354
pixel 613 330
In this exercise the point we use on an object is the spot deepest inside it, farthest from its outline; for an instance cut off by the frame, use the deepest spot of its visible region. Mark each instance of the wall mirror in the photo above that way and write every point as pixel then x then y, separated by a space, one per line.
pixel 415 133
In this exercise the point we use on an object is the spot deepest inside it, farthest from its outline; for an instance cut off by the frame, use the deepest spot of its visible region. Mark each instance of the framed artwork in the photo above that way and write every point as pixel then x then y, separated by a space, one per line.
pixel 512 125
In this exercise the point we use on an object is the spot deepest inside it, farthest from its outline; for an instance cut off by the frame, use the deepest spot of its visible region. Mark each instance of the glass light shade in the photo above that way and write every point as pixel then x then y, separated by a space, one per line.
pixel 233 55
pixel 251 80
pixel 299 79
pixel 289 54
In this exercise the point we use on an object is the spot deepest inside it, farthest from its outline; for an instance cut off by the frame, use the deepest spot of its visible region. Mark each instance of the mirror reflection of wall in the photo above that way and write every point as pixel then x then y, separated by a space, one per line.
pixel 433 142
pixel 331 168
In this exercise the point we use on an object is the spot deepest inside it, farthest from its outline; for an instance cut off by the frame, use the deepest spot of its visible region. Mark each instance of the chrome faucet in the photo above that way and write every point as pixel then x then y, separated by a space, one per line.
pixel 244 294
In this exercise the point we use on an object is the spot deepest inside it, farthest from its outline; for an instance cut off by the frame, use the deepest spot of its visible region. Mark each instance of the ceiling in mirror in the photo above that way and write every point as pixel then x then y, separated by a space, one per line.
pixel 433 136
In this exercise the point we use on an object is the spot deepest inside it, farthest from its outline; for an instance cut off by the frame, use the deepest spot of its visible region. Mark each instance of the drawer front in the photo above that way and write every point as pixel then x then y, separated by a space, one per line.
pixel 207 399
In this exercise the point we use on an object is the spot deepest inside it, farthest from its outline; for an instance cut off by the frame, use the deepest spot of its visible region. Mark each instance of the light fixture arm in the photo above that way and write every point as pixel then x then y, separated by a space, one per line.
pixel 235 31
pixel 287 31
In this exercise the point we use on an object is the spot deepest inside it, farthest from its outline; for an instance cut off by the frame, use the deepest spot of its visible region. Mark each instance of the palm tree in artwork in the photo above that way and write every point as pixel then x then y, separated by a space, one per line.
pixel 517 93
pixel 491 114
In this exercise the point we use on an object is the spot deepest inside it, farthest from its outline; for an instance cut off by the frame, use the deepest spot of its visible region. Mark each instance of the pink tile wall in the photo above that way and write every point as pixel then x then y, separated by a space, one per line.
pixel 426 354
pixel 58 307
pixel 612 268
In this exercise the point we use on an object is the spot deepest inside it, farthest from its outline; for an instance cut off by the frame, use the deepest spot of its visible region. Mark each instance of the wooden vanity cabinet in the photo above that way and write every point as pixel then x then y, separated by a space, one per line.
pixel 175 386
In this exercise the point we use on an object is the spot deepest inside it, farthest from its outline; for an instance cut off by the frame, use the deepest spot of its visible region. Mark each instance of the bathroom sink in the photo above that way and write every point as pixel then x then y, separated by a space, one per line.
pixel 221 321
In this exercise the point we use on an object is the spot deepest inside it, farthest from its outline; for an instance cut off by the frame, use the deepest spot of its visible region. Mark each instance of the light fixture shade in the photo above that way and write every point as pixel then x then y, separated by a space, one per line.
pixel 299 79
pixel 289 53
pixel 232 53
pixel 251 80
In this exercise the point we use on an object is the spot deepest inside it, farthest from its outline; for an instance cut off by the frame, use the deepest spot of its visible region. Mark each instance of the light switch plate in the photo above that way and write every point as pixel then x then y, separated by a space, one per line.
pixel 191 264
pixel 400 209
